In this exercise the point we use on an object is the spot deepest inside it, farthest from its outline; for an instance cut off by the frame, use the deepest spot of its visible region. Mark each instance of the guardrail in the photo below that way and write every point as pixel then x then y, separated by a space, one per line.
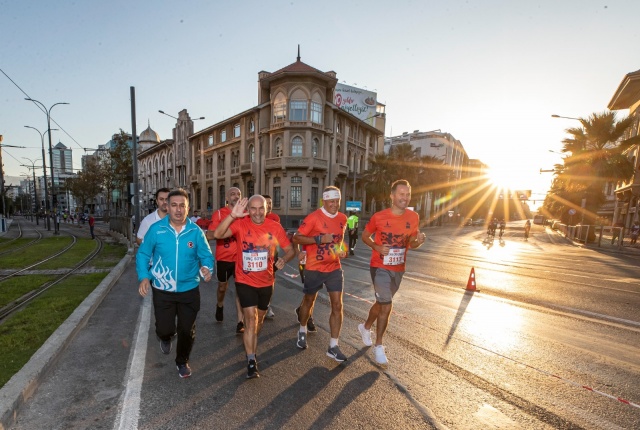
pixel 596 235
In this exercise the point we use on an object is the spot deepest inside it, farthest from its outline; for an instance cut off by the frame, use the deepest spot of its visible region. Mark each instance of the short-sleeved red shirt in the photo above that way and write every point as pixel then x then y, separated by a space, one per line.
pixel 324 258
pixel 225 248
pixel 257 246
pixel 396 231
pixel 273 217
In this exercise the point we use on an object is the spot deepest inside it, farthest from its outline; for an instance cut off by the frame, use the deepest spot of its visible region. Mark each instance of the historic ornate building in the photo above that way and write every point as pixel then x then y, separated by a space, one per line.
pixel 291 145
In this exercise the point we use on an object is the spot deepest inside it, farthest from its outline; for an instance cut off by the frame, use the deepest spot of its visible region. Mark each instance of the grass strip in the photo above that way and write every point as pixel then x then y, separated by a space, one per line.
pixel 43 249
pixel 14 288
pixel 8 244
pixel 75 255
pixel 25 332
pixel 110 255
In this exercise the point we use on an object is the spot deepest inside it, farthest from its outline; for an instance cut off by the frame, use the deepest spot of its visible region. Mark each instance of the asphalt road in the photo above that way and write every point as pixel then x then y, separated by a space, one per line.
pixel 550 340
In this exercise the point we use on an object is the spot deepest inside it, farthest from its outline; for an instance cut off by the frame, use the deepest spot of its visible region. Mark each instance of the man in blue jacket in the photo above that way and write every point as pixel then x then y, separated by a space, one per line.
pixel 180 255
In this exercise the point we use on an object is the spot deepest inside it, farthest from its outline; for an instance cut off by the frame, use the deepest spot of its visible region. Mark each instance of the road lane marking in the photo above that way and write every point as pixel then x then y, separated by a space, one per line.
pixel 129 407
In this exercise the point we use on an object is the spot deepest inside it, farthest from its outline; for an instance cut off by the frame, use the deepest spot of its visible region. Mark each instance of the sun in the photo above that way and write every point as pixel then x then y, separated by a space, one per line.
pixel 502 177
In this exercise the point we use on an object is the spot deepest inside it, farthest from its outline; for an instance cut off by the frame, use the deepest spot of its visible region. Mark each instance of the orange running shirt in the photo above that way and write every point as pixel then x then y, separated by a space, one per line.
pixel 396 231
pixel 257 247
pixel 324 258
pixel 273 217
pixel 225 248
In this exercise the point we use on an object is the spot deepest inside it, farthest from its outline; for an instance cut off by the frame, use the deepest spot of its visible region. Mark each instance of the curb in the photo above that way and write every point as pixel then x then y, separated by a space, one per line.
pixel 17 391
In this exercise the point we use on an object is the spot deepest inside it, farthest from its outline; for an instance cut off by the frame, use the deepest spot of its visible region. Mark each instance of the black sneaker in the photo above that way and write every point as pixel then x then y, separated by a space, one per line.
pixel 240 328
pixel 302 340
pixel 252 369
pixel 311 327
pixel 184 370
pixel 219 313
pixel 336 354
pixel 165 346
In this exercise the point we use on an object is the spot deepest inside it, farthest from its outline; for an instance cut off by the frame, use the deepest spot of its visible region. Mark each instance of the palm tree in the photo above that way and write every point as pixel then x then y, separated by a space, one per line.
pixel 595 156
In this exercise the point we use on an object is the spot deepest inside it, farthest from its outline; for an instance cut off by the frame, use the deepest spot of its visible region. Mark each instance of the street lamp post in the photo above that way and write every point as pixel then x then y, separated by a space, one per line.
pixel 35 189
pixel 48 112
pixel 44 172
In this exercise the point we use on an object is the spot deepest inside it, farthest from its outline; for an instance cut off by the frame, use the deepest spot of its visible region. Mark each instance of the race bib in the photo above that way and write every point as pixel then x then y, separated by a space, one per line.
pixel 395 257
pixel 255 261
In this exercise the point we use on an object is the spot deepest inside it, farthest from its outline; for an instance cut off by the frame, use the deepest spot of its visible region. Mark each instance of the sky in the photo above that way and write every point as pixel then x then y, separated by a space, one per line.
pixel 489 72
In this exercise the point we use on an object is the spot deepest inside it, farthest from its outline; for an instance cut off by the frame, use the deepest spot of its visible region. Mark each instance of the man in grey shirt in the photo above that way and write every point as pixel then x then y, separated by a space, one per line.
pixel 163 207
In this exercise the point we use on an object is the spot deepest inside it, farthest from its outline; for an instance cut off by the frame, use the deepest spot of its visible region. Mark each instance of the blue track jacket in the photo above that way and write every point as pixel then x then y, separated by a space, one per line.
pixel 175 258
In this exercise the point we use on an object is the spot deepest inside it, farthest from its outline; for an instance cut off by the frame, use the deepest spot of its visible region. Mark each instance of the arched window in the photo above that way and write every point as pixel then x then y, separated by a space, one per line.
pixel 296 147
pixel 209 195
pixel 222 197
pixel 250 188
pixel 279 108
pixel 314 147
pixel 316 109
pixel 198 167
pixel 223 136
pixel 252 154
pixel 252 126
pixel 338 154
pixel 236 130
pixel 277 152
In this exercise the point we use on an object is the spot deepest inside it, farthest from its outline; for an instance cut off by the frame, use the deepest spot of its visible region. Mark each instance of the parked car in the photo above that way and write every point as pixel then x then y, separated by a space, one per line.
pixel 479 221
pixel 467 221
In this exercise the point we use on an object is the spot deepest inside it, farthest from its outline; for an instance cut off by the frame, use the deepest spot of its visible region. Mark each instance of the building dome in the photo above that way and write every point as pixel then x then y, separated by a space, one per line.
pixel 149 136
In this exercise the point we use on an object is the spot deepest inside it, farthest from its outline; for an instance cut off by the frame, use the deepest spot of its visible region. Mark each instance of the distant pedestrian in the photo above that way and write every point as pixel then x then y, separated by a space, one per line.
pixel 390 233
pixel 92 222
pixel 635 230
pixel 180 255
pixel 352 225
pixel 527 229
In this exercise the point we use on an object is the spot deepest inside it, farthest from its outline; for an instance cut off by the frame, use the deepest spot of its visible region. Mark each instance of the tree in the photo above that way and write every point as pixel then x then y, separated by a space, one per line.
pixel 596 155
pixel 116 167
pixel 87 184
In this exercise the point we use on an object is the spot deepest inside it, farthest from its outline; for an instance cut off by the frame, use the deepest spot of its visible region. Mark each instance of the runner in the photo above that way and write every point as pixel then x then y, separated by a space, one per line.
pixel 322 231
pixel 258 239
pixel 273 217
pixel 163 207
pixel 180 255
pixel 226 250
pixel 395 230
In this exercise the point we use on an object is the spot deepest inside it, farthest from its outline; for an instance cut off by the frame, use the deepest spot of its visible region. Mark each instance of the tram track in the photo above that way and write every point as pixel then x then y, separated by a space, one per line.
pixel 26 245
pixel 17 304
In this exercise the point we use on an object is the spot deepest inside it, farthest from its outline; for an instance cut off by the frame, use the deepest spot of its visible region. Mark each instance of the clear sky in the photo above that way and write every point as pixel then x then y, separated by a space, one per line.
pixel 489 72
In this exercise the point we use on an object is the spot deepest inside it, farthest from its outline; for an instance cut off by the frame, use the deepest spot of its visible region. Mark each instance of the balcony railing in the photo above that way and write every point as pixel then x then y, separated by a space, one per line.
pixel 193 178
pixel 293 162
pixel 343 169
pixel 247 167
pixel 221 173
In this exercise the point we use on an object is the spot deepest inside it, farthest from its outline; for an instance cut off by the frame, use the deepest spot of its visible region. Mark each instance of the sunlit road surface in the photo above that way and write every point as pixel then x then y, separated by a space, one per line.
pixel 551 339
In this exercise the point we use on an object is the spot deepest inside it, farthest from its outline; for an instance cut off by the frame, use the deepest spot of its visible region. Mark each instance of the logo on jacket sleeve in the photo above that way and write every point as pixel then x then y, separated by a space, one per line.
pixel 190 244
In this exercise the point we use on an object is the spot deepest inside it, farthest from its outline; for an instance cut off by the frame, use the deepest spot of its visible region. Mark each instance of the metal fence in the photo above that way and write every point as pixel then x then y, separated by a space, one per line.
pixel 600 236
pixel 122 225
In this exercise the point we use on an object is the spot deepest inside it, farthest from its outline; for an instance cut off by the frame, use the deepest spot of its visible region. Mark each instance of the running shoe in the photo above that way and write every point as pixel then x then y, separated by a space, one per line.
pixel 270 313
pixel 165 346
pixel 302 340
pixel 366 335
pixel 219 313
pixel 379 355
pixel 240 328
pixel 252 369
pixel 336 354
pixel 184 370
pixel 311 327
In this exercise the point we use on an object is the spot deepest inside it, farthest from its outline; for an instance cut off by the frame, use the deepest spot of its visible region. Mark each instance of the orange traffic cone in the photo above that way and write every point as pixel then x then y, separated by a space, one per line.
pixel 471 283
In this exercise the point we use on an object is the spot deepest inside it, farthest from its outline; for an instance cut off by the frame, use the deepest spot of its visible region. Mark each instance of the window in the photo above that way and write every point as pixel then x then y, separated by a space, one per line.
pixel 338 154
pixel 338 127
pixel 236 130
pixel 278 148
pixel 296 179
pixel 252 154
pixel 296 147
pixel 198 167
pixel 279 108
pixel 316 112
pixel 250 188
pixel 314 147
pixel 210 140
pixel 276 197
pixel 223 136
pixel 209 195
pixel 296 197
pixel 314 197
pixel 276 180
pixel 252 126
pixel 222 196
pixel 314 181
pixel 298 110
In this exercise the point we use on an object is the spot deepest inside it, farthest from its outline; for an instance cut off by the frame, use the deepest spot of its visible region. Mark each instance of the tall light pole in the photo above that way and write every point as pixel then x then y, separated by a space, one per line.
pixel 53 189
pixel 565 117
pixel 35 189
pixel 44 172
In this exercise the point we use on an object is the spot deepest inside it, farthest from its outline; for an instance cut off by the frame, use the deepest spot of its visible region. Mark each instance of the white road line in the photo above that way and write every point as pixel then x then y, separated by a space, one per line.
pixel 129 407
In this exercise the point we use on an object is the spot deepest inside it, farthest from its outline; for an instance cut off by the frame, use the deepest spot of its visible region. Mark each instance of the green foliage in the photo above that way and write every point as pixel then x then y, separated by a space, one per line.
pixel 14 288
pixel 43 249
pixel 69 259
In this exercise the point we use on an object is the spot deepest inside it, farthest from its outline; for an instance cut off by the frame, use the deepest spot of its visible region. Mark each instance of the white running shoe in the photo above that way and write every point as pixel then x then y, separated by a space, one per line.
pixel 270 313
pixel 379 355
pixel 366 335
